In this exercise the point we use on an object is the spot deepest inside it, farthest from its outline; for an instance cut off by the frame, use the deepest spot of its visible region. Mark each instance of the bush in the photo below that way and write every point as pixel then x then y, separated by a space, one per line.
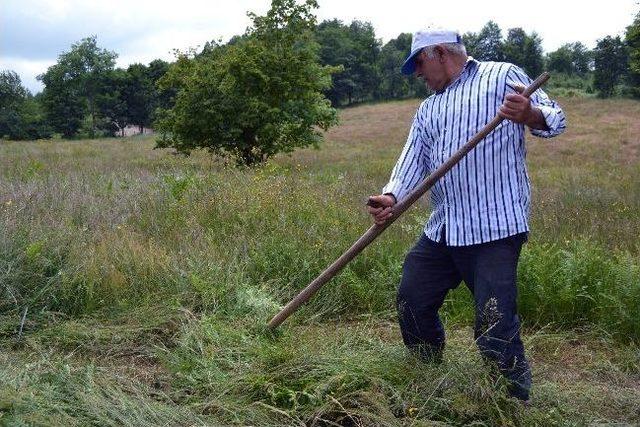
pixel 255 97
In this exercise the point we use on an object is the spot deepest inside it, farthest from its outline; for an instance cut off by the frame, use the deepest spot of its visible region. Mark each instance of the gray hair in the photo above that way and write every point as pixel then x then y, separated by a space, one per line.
pixel 456 49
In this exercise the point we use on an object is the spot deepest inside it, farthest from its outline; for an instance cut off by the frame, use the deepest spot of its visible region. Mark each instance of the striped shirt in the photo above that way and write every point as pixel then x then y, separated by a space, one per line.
pixel 485 196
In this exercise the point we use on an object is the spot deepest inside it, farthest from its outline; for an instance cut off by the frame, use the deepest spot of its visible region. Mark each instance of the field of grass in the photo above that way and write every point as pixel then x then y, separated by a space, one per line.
pixel 136 285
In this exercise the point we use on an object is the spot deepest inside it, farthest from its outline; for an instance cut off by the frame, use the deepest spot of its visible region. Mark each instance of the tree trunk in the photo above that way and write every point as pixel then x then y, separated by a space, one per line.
pixel 248 155
pixel 92 110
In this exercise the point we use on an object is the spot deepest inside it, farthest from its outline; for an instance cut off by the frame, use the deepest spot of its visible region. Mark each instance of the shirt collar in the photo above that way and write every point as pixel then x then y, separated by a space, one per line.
pixel 466 70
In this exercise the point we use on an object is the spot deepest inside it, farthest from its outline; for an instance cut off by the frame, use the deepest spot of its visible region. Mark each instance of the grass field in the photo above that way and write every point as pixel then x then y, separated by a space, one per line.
pixel 136 285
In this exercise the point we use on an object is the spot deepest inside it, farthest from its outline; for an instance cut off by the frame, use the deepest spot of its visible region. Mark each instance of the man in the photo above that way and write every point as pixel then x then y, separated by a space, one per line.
pixel 480 207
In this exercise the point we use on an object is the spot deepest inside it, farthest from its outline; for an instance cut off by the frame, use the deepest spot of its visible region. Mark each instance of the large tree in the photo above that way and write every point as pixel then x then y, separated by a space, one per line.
pixel 488 43
pixel 64 106
pixel 355 48
pixel 256 97
pixel 139 95
pixel 524 50
pixel 163 98
pixel 610 60
pixel 570 58
pixel 20 113
pixel 113 102
pixel 393 84
pixel 74 83
pixel 11 89
pixel 12 95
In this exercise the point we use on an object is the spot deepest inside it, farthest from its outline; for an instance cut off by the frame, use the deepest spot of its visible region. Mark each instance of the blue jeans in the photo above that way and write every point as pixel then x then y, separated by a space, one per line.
pixel 489 270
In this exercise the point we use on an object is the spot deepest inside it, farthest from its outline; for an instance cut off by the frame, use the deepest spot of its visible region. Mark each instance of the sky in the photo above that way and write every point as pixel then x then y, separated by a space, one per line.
pixel 34 32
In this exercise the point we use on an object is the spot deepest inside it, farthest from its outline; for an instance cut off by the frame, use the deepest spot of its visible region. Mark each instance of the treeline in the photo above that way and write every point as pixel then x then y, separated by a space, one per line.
pixel 86 96
pixel 371 71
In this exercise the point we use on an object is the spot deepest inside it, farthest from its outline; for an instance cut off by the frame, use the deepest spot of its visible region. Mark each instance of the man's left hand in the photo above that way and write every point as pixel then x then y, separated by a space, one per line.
pixel 518 108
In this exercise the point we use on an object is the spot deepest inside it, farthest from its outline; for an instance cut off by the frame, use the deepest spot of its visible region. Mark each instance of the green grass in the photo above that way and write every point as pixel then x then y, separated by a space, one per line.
pixel 145 281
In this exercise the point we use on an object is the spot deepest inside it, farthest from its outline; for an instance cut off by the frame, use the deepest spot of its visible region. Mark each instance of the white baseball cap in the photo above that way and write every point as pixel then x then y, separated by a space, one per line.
pixel 428 37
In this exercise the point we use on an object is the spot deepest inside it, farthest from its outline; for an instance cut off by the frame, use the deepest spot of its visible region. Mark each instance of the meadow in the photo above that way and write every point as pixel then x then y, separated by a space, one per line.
pixel 136 285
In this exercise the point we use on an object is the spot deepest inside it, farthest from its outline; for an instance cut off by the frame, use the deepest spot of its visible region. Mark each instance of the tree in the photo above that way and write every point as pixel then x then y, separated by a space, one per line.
pixel 560 60
pixel 514 46
pixel 113 102
pixel 533 60
pixel 20 113
pixel 488 44
pixel 393 84
pixel 11 89
pixel 632 39
pixel 524 50
pixel 256 97
pixel 162 98
pixel 139 95
pixel 570 58
pixel 470 41
pixel 62 102
pixel 34 124
pixel 12 95
pixel 610 59
pixel 73 85
pixel 581 58
pixel 354 48
pixel 336 49
pixel 365 67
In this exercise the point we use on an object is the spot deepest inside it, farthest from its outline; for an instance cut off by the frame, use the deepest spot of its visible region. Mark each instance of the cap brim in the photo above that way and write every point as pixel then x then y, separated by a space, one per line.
pixel 409 65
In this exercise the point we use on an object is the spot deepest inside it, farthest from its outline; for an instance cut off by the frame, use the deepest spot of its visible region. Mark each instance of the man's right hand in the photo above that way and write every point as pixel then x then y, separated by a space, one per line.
pixel 383 212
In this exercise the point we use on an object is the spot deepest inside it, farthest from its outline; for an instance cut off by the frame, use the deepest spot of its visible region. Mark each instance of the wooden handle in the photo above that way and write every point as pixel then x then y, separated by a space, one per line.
pixel 398 209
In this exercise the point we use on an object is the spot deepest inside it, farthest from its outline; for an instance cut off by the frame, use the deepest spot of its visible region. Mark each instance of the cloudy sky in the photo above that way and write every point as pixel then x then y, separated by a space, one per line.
pixel 34 32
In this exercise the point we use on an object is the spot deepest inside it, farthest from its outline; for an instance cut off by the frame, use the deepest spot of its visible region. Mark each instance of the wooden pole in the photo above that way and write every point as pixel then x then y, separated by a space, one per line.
pixel 398 209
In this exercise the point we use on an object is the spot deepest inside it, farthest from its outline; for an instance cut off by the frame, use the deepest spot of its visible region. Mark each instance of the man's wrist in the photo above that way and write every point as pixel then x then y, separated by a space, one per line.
pixel 395 200
pixel 536 119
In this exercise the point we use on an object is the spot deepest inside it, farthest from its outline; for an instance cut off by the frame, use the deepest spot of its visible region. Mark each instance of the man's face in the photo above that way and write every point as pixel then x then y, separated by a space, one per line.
pixel 431 69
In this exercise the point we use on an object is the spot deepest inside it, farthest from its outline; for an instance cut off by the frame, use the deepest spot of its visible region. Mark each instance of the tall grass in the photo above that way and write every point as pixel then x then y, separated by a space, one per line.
pixel 111 251
pixel 229 239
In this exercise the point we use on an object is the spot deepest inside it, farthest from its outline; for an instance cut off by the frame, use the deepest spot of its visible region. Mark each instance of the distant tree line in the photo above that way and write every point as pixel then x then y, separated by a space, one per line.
pixel 371 71
pixel 86 95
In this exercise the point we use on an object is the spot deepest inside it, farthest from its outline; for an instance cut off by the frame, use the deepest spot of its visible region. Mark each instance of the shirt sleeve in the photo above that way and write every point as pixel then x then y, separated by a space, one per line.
pixel 553 115
pixel 412 166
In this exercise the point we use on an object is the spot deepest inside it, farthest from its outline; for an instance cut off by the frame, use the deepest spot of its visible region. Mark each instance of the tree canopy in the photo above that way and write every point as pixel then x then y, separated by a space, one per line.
pixel 74 84
pixel 570 58
pixel 20 113
pixel 256 97
pixel 633 42
pixel 610 59
pixel 355 49
pixel 524 50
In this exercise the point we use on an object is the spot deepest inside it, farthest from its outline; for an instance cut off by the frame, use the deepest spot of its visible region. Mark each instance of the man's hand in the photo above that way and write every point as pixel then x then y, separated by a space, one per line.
pixel 518 108
pixel 383 212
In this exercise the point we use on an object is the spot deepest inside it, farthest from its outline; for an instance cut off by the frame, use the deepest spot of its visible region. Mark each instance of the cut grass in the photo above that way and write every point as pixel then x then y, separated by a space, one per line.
pixel 357 373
